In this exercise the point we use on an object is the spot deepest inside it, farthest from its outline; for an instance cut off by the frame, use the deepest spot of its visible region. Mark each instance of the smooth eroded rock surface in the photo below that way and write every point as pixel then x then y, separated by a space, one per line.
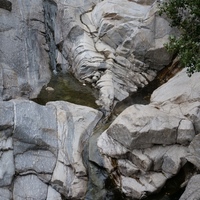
pixel 115 46
pixel 41 149
pixel 24 60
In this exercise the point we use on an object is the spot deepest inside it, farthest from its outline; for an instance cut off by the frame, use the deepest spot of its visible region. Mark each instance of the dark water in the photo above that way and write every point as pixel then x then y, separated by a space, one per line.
pixel 67 88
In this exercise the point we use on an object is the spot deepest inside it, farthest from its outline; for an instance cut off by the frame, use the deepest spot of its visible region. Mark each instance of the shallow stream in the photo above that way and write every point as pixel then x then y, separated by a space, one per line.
pixel 66 88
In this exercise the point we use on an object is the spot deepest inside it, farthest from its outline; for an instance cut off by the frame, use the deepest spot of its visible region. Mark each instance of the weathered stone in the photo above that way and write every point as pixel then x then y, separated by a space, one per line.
pixel 138 189
pixel 1 83
pixel 75 125
pixel 7 168
pixel 5 194
pixel 62 63
pixel 145 163
pixel 37 160
pixel 187 111
pixel 124 38
pixel 194 152
pixel 192 191
pixel 156 154
pixel 24 59
pixel 127 168
pixel 137 192
pixel 6 119
pixel 53 194
pixel 47 141
pixel 185 89
pixel 6 144
pixel 174 159
pixel 143 126
pixel 186 132
pixel 29 187
pixel 108 146
pixel 35 126
pixel 193 114
pixel 117 46
pixel 106 91
pixel 140 160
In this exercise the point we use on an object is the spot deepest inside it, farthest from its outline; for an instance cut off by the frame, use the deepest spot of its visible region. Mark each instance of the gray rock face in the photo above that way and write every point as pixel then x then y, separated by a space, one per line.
pixel 115 46
pixel 143 140
pixel 183 100
pixel 75 125
pixel 150 143
pixel 156 127
pixel 42 146
pixel 192 190
pixel 194 156
pixel 24 60
pixel 29 187
pixel 121 41
pixel 5 194
pixel 185 89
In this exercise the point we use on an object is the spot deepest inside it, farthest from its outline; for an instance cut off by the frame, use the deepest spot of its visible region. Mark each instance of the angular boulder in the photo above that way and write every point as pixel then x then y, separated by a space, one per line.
pixel 148 144
pixel 41 149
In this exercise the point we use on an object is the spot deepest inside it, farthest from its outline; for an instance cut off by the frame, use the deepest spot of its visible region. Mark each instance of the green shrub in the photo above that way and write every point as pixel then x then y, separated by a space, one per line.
pixel 185 15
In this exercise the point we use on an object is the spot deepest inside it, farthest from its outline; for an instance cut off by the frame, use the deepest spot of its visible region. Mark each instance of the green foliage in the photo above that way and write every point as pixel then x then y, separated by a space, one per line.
pixel 185 15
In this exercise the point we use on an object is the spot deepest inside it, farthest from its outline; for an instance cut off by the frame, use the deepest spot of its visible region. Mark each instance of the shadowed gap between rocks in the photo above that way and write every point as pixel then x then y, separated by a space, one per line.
pixel 7 5
pixel 50 12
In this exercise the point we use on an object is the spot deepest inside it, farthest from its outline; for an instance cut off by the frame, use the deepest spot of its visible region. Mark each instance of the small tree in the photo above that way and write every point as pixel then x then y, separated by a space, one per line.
pixel 185 15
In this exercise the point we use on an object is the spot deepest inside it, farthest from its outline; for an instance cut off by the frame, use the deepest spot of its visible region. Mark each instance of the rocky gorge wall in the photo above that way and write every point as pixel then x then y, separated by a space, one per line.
pixel 24 60
pixel 51 152
pixel 117 47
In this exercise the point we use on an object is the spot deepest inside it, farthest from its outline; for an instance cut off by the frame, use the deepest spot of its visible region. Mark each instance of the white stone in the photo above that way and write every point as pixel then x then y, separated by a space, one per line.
pixel 186 132
pixel 53 194
pixel 194 152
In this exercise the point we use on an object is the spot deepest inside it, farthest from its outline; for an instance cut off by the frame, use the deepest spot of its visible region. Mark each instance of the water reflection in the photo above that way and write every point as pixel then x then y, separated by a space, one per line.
pixel 66 88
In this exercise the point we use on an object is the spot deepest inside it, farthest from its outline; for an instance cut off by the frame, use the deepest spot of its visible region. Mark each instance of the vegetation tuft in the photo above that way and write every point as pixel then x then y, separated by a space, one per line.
pixel 185 15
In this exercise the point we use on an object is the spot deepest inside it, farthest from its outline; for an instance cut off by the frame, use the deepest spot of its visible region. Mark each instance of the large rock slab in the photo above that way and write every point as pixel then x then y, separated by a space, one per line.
pixel 24 60
pixel 144 126
pixel 192 190
pixel 115 46
pixel 75 125
pixel 185 89
pixel 145 144
pixel 148 144
pixel 29 187
pixel 41 149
